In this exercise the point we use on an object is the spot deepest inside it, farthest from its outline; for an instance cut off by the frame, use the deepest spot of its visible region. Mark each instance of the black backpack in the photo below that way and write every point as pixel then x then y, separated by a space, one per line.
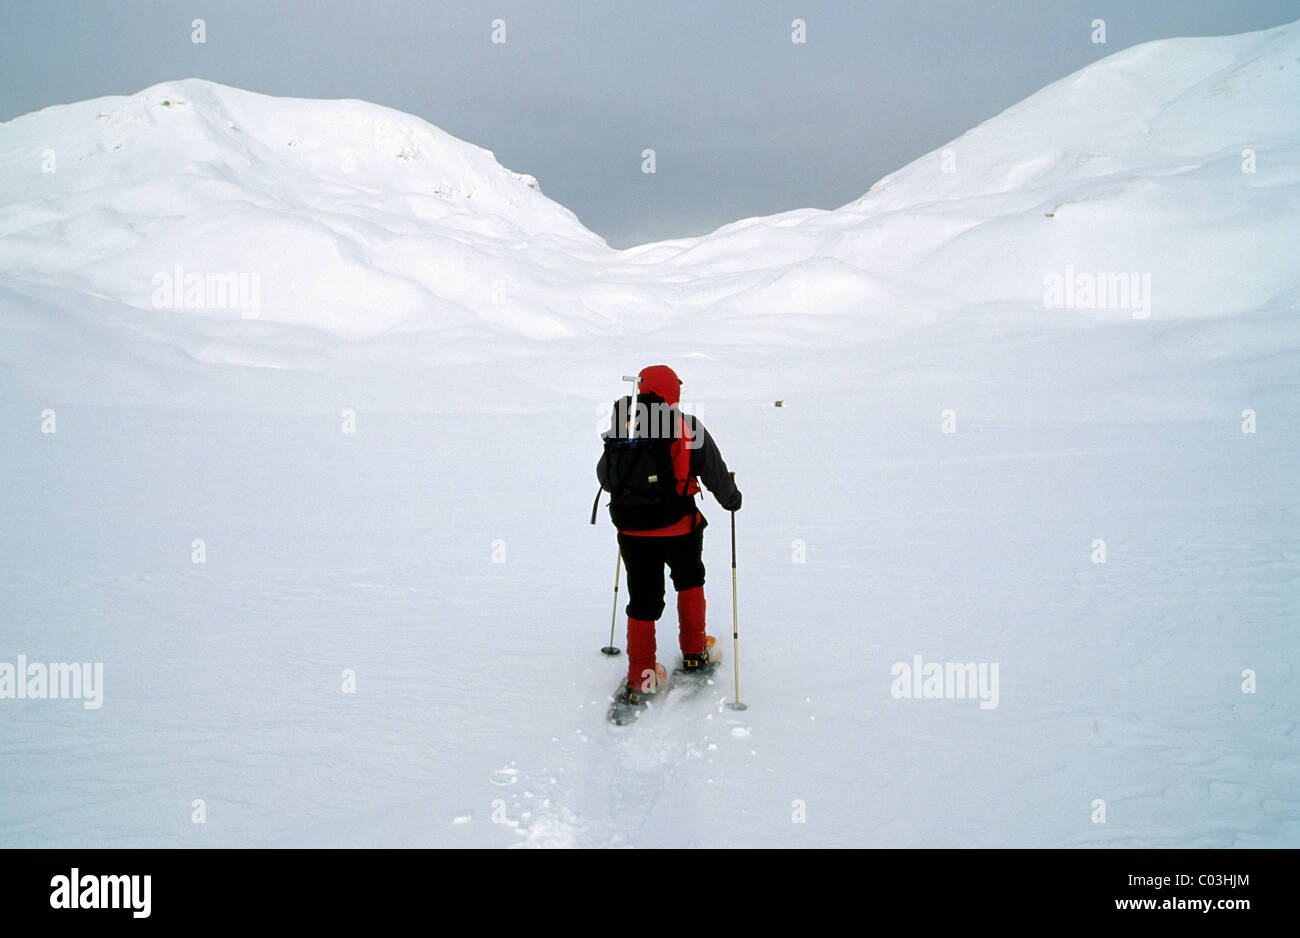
pixel 639 465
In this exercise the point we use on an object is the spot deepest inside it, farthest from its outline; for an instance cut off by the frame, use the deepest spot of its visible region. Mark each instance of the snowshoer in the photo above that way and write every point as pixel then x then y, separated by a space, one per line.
pixel 654 458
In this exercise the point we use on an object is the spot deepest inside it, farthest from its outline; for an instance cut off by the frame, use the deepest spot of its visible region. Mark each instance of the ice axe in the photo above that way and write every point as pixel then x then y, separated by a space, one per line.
pixel 636 386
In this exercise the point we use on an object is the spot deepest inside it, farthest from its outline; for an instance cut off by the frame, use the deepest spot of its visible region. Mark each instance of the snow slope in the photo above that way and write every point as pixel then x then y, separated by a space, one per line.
pixel 476 332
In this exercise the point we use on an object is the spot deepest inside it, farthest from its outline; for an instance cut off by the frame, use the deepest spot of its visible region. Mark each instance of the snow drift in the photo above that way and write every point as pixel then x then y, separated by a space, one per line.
pixel 360 221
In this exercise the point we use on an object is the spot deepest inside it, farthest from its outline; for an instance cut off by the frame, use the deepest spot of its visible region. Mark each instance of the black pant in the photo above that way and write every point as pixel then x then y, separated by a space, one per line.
pixel 645 558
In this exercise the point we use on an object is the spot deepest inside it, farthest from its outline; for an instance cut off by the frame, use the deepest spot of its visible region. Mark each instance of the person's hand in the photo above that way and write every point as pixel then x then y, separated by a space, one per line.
pixel 733 503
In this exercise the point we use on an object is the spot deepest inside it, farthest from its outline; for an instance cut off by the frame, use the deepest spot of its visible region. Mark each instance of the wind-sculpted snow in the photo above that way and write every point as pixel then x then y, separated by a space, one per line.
pixel 360 220
pixel 321 514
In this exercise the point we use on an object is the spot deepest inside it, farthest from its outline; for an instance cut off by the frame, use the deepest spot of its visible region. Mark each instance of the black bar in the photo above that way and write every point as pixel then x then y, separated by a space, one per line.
pixel 976 888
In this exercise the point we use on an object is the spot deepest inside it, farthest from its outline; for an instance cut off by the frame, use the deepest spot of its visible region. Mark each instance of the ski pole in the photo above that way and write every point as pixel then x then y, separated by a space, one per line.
pixel 609 650
pixel 735 616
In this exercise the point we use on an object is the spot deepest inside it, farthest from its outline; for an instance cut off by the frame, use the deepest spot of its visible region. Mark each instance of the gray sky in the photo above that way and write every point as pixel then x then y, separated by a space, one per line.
pixel 743 121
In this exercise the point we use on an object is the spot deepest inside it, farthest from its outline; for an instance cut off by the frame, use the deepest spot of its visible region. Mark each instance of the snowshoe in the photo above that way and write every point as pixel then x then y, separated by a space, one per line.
pixel 699 668
pixel 629 702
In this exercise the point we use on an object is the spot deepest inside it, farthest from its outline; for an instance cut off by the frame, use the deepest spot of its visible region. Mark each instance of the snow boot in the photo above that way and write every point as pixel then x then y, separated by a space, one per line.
pixel 637 694
pixel 629 702
pixel 704 663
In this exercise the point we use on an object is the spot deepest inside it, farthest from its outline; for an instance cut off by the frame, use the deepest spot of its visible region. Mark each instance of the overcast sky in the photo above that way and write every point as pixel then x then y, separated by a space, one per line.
pixel 743 120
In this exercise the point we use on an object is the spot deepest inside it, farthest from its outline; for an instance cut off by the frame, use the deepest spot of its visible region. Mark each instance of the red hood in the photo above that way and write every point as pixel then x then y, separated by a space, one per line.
pixel 661 380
